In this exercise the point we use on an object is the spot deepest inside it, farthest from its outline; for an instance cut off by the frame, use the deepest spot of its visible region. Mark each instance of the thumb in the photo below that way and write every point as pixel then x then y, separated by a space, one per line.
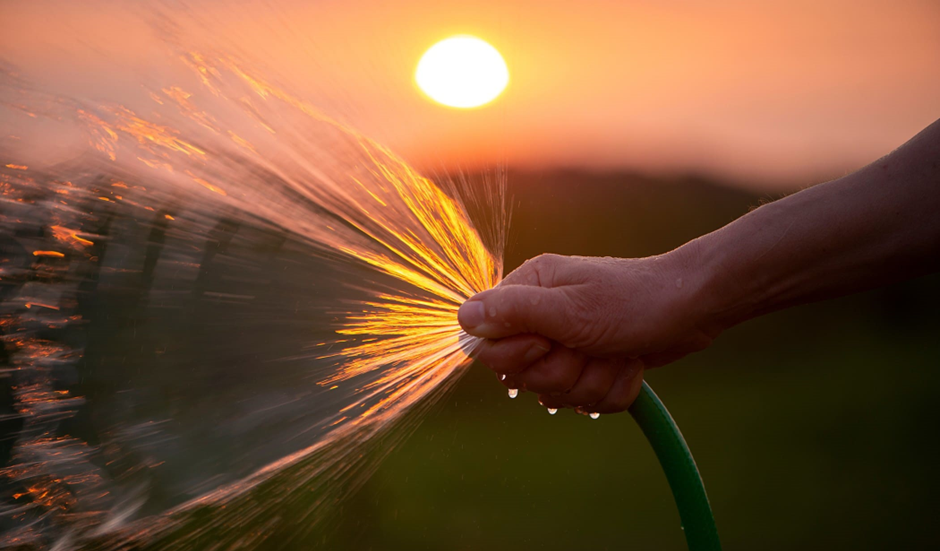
pixel 509 310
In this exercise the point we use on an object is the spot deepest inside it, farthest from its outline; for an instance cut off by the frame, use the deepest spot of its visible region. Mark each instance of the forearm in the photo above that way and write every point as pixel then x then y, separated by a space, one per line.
pixel 875 226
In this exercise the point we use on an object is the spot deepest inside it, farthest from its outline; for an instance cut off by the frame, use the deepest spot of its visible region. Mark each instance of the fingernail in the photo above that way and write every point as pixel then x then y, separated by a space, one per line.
pixel 535 352
pixel 471 314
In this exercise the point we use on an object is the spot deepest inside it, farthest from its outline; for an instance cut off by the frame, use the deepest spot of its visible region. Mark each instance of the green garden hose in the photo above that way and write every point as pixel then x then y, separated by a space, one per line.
pixel 673 453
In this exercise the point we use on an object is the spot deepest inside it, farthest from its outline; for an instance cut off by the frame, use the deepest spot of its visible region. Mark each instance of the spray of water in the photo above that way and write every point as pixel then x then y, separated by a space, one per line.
pixel 221 316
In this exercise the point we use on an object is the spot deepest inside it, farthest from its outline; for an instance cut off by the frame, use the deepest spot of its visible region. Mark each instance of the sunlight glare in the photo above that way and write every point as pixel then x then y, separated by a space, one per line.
pixel 462 71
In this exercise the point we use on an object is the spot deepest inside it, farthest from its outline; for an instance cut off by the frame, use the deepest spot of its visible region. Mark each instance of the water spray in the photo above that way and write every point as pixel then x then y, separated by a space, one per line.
pixel 210 179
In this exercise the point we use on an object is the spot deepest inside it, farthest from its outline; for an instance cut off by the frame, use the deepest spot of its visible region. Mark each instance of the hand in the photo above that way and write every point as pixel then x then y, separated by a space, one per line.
pixel 579 331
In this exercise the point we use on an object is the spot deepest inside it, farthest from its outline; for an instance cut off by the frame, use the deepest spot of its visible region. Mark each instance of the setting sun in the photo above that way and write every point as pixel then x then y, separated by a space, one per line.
pixel 463 72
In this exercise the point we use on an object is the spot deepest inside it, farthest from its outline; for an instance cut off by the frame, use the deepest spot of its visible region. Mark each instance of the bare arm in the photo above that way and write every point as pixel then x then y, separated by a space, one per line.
pixel 580 331
pixel 875 226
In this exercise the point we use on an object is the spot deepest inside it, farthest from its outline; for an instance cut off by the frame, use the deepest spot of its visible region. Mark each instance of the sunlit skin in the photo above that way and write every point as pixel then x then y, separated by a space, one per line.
pixel 579 331
pixel 462 72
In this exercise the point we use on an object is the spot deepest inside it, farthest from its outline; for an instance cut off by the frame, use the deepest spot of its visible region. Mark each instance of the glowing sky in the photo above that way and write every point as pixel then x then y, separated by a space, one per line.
pixel 776 92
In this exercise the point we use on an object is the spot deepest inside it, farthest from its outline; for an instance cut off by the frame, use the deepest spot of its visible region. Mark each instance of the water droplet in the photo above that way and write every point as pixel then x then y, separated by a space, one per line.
pixel 502 377
pixel 594 415
pixel 552 411
pixel 513 392
pixel 492 311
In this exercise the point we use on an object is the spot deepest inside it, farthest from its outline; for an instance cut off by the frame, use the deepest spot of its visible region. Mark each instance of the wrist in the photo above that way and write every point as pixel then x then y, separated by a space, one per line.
pixel 690 282
pixel 719 297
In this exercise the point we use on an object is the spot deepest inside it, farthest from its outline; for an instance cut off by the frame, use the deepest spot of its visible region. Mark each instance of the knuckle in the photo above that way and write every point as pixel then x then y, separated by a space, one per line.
pixel 596 394
pixel 523 275
pixel 554 377
pixel 623 392
pixel 615 402
pixel 497 363
pixel 543 267
pixel 566 378
pixel 500 356
pixel 548 258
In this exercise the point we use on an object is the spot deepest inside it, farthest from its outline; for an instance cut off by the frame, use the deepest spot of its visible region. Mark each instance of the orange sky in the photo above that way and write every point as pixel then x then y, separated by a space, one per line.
pixel 772 92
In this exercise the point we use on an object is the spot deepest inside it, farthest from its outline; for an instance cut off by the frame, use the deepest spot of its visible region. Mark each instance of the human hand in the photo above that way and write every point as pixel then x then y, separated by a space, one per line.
pixel 579 331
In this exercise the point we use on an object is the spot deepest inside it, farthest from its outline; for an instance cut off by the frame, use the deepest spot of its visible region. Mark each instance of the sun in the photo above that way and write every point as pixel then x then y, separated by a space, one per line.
pixel 462 71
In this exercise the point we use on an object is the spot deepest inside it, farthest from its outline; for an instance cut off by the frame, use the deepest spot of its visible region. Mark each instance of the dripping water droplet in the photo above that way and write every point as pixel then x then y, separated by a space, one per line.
pixel 552 411
pixel 513 392
pixel 594 415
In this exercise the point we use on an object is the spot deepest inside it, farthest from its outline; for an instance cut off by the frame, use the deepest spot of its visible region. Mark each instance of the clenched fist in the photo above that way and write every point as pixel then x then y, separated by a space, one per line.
pixel 579 331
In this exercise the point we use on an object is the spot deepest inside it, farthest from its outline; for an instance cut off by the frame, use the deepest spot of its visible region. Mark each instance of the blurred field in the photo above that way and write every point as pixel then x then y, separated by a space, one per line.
pixel 815 428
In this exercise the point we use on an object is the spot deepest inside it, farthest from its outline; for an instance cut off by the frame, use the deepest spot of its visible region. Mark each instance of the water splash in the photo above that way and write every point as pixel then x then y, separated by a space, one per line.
pixel 224 312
